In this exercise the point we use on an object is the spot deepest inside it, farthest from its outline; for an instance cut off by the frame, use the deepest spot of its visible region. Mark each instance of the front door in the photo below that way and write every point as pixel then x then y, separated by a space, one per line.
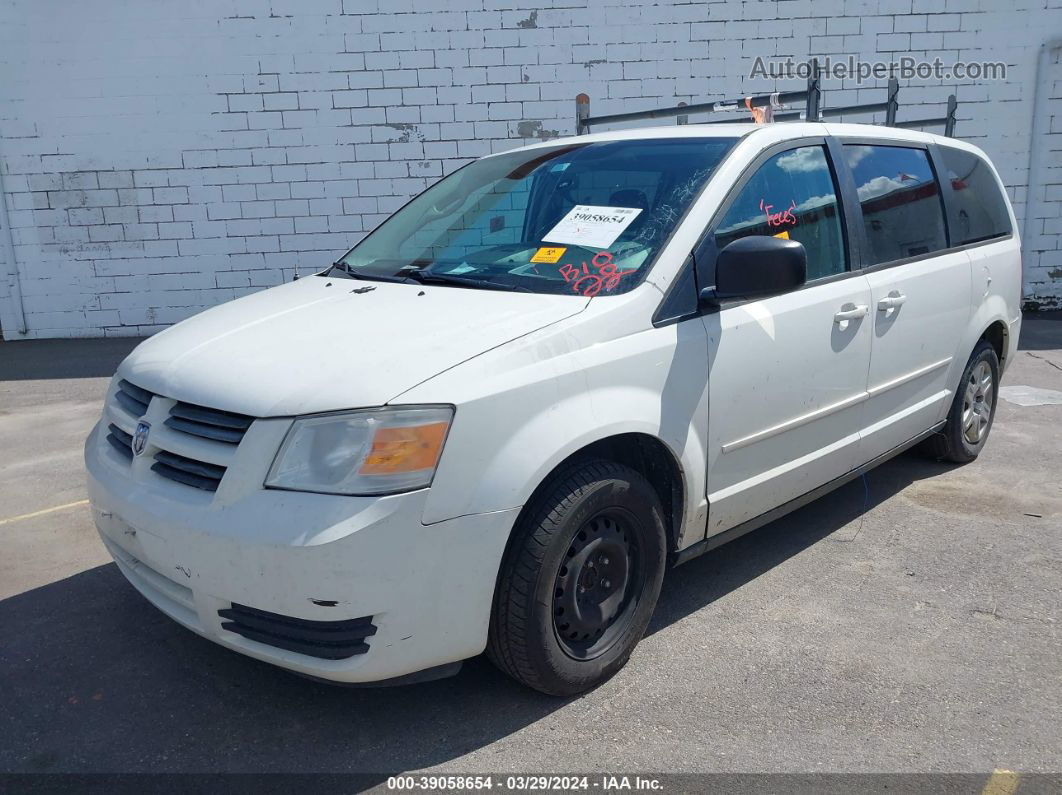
pixel 787 373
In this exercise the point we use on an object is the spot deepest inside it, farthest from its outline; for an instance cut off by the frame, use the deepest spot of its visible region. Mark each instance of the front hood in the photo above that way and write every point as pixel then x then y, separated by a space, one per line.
pixel 320 345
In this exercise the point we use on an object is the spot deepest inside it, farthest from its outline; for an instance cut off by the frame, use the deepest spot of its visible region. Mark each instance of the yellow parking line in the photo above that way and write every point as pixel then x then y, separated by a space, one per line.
pixel 1001 782
pixel 12 519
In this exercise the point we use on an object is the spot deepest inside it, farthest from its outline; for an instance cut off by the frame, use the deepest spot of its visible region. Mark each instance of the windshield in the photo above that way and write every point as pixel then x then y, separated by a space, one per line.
pixel 585 219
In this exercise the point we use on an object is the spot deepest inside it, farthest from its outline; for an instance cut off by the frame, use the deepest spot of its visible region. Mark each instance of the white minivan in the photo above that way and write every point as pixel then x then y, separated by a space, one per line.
pixel 497 420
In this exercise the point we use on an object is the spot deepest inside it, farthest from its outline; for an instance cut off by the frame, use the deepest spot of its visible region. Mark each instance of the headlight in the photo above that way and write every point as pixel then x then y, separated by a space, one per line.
pixel 376 451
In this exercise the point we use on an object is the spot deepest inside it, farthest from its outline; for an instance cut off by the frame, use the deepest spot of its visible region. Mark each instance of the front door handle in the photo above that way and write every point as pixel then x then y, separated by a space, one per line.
pixel 847 313
pixel 893 300
pixel 850 312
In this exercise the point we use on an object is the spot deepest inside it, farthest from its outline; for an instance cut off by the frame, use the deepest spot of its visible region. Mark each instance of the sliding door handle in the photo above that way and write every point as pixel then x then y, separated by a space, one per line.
pixel 893 300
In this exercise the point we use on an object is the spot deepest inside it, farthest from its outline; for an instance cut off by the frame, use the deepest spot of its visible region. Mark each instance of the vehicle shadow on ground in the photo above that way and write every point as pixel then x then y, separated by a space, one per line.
pixel 693 585
pixel 37 360
pixel 1041 331
pixel 98 680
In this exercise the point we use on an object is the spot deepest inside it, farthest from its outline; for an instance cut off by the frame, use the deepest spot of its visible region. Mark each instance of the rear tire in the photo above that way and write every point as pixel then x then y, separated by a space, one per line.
pixel 580 579
pixel 972 410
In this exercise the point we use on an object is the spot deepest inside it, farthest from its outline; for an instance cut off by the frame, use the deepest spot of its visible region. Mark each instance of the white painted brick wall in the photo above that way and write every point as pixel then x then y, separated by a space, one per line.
pixel 161 157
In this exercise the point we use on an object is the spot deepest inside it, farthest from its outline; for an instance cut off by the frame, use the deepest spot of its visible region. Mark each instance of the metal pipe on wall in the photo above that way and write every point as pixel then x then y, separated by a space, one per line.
pixel 1035 183
pixel 14 290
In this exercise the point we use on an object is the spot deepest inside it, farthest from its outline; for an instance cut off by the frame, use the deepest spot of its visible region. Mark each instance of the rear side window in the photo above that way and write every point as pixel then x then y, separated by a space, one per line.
pixel 791 196
pixel 981 210
pixel 900 199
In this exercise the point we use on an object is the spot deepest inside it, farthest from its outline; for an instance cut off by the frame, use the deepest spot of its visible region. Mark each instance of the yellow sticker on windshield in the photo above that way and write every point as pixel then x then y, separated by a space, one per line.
pixel 548 254
pixel 784 235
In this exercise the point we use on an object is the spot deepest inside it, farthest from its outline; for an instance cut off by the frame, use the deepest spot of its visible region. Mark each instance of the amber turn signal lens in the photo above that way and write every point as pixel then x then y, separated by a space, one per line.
pixel 405 449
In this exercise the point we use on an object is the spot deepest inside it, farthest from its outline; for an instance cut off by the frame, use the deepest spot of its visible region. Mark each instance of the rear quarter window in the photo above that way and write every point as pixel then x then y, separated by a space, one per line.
pixel 980 208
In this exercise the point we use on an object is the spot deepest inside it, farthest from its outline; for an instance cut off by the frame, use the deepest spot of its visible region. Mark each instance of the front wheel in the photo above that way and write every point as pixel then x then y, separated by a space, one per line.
pixel 972 410
pixel 580 579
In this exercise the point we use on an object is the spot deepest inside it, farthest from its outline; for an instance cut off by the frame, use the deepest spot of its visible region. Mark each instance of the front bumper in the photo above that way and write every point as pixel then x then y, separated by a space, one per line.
pixel 427 589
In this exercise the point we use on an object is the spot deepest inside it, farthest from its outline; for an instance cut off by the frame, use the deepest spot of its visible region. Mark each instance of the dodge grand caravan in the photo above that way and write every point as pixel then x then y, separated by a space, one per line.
pixel 496 420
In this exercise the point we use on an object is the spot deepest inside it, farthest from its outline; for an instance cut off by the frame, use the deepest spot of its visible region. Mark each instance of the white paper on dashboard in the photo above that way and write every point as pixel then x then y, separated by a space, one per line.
pixel 593 226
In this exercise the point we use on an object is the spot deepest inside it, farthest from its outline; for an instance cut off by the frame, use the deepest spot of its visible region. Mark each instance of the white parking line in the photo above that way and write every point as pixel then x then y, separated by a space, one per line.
pixel 13 519
pixel 1001 782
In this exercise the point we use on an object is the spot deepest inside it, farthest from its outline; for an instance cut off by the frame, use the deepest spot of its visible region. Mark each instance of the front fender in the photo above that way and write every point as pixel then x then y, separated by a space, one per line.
pixel 524 408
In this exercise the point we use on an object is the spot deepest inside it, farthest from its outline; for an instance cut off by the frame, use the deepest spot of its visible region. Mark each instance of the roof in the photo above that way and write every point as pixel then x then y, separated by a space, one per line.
pixel 775 131
pixel 735 130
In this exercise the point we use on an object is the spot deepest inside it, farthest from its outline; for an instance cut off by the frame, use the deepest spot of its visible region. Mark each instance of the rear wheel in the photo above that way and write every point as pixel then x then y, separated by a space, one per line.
pixel 580 580
pixel 972 410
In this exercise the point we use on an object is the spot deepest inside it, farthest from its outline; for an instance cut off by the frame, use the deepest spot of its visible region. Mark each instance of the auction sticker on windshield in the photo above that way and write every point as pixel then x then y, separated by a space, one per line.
pixel 592 226
pixel 548 254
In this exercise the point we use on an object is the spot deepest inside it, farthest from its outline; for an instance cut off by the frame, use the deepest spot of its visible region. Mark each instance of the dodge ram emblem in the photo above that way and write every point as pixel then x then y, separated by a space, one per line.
pixel 140 437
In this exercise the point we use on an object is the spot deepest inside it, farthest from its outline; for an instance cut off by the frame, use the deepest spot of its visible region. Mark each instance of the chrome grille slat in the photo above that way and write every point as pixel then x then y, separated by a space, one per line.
pixel 188 471
pixel 187 478
pixel 120 441
pixel 221 426
pixel 132 398
pixel 141 394
pixel 225 419
pixel 201 468
pixel 217 433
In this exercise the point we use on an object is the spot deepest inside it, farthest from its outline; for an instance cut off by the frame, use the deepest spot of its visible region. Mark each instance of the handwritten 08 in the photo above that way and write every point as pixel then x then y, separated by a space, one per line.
pixel 587 282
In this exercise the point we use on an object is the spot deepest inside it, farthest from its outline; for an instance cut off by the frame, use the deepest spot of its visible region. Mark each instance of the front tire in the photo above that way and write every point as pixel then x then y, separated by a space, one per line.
pixel 972 410
pixel 580 579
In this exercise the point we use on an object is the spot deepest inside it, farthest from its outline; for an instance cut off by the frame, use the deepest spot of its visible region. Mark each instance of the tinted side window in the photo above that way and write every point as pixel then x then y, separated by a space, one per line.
pixel 793 196
pixel 902 210
pixel 981 208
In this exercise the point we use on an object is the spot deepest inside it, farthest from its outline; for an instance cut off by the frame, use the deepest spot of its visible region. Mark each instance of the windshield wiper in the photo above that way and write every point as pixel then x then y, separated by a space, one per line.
pixel 419 276
pixel 353 273
pixel 477 284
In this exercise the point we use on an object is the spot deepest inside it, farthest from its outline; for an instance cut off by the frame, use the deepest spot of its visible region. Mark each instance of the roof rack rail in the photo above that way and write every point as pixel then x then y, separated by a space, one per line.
pixel 764 106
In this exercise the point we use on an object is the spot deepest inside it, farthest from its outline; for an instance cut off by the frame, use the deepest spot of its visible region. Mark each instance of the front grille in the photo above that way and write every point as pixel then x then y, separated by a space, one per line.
pixel 132 398
pixel 188 471
pixel 120 441
pixel 326 640
pixel 215 425
pixel 221 426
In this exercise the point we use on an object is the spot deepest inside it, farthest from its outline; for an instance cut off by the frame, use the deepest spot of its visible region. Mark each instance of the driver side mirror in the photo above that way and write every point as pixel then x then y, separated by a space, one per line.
pixel 758 265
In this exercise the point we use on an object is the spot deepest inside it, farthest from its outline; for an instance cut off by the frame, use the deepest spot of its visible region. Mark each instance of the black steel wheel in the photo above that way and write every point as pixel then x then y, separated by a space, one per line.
pixel 580 578
pixel 597 585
